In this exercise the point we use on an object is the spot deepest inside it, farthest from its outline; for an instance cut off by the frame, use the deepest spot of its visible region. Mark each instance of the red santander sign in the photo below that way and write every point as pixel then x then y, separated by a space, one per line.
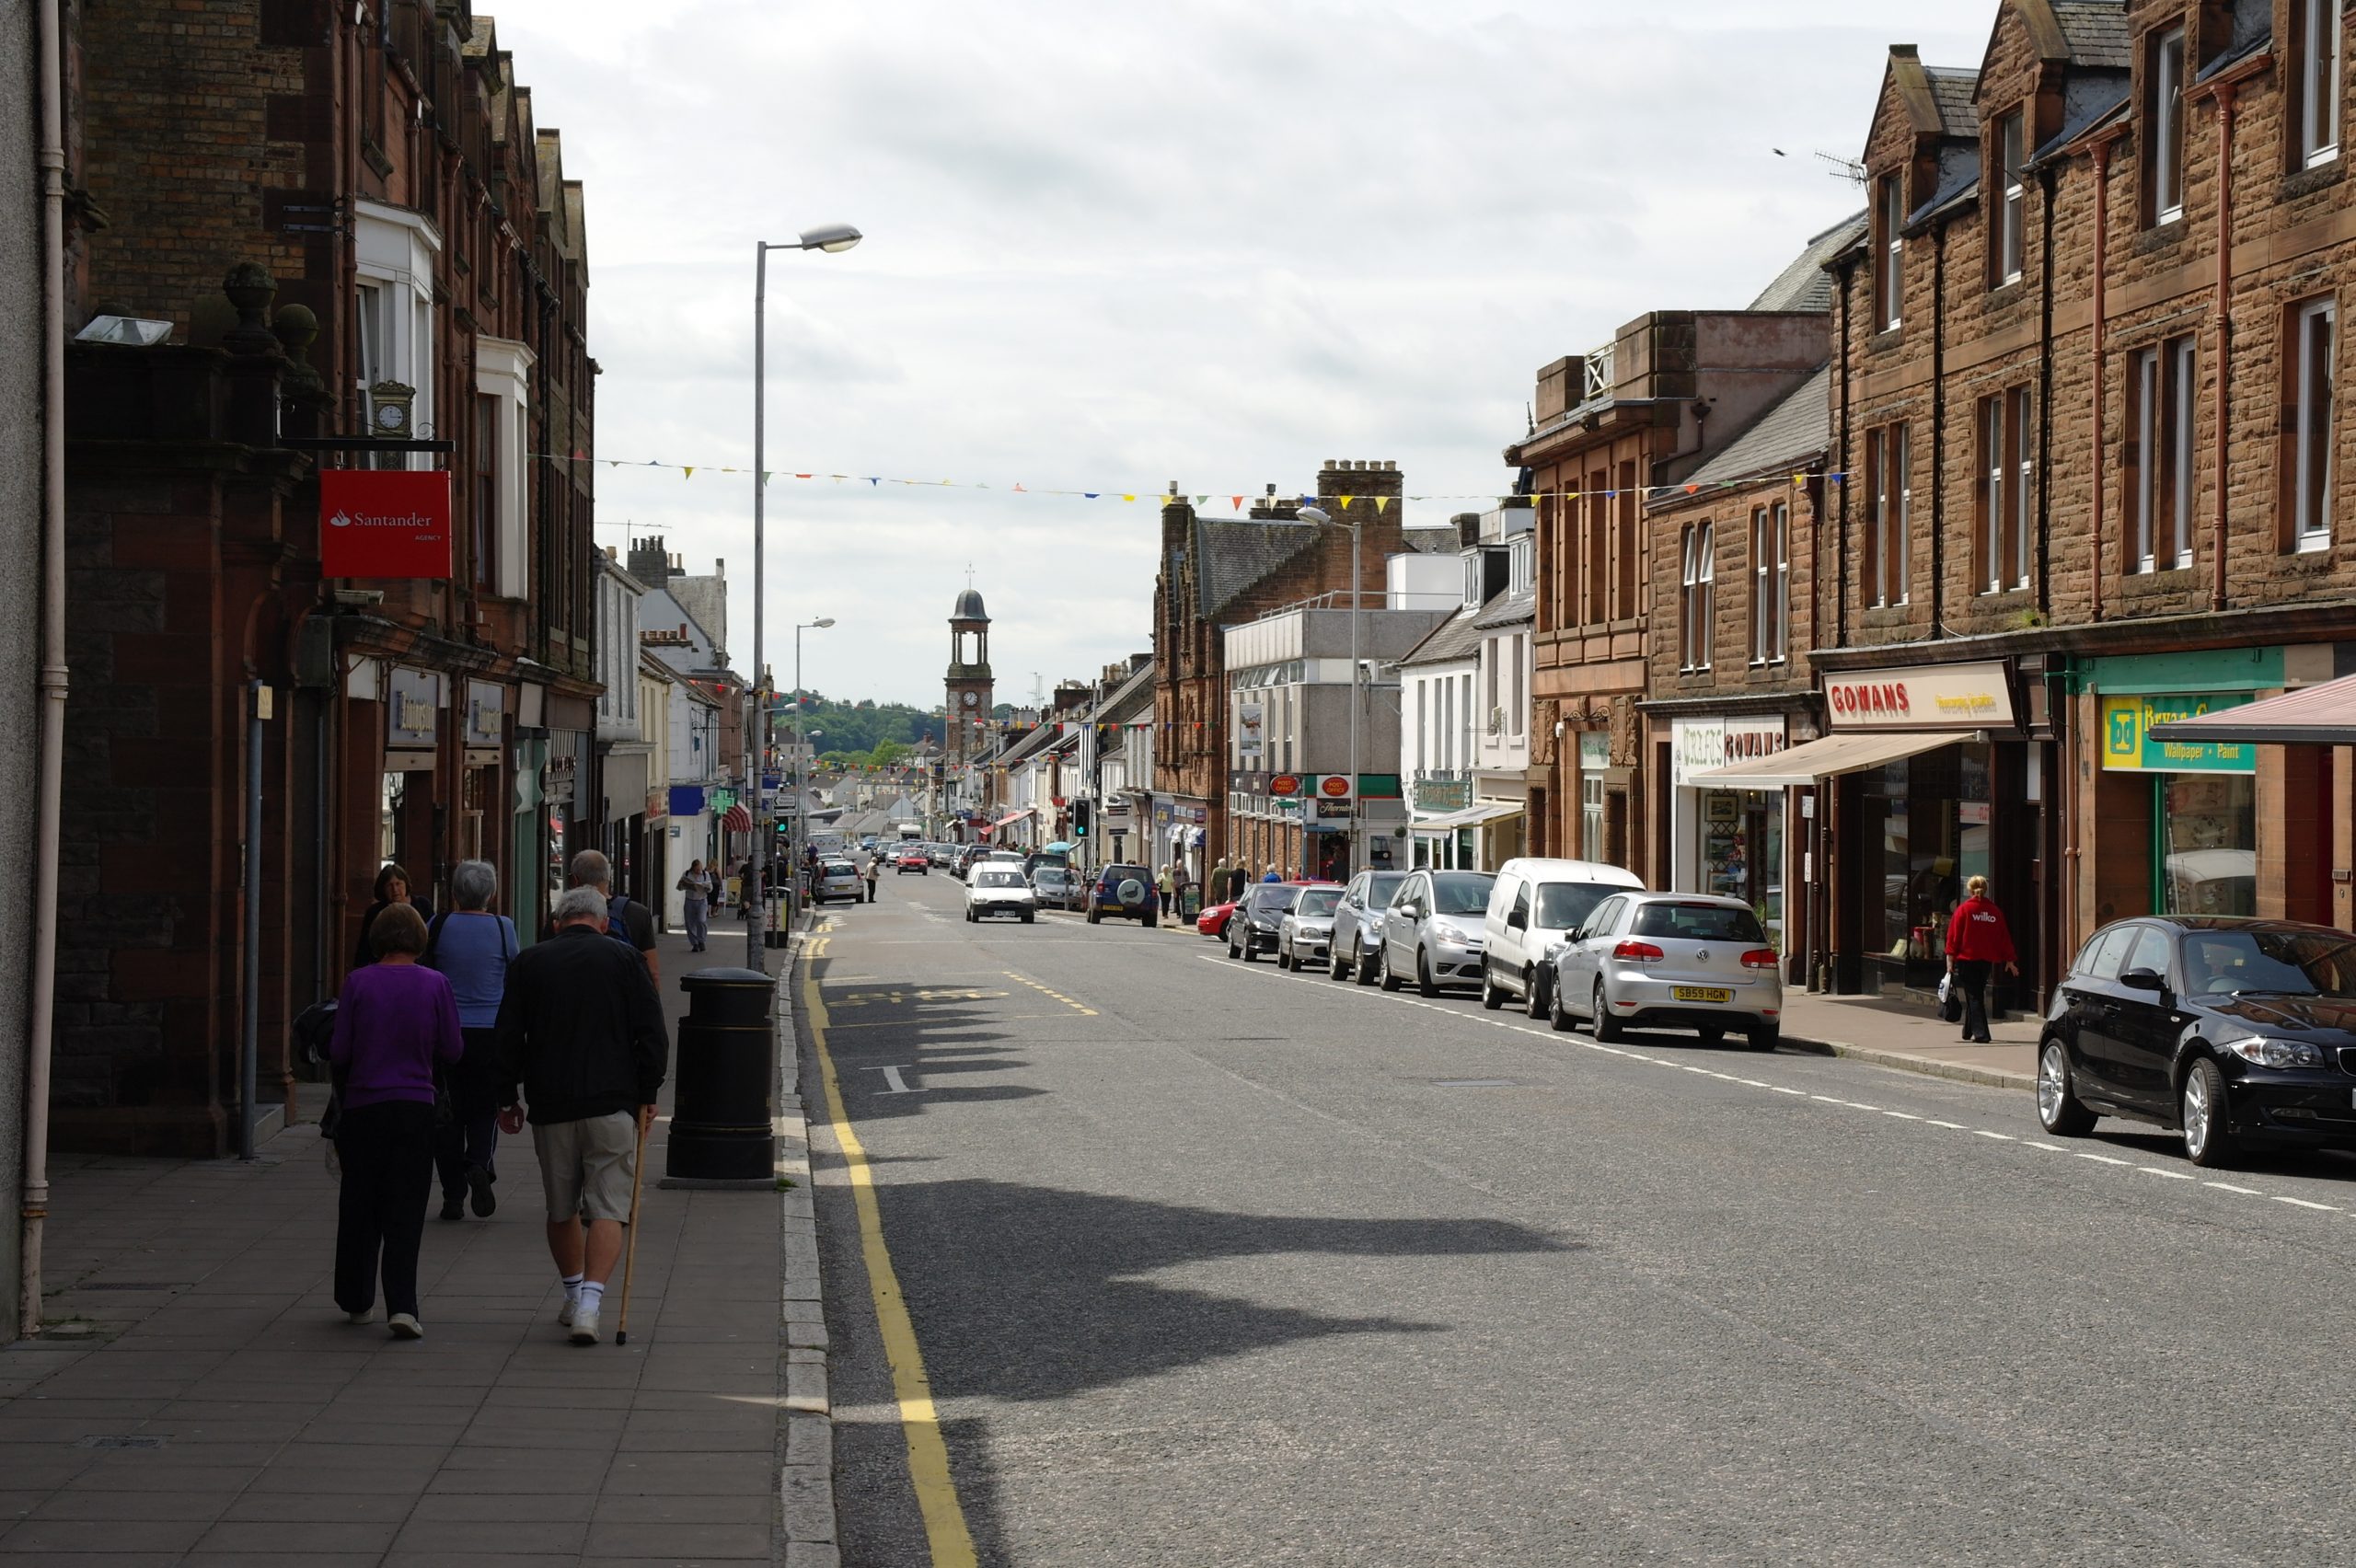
pixel 384 522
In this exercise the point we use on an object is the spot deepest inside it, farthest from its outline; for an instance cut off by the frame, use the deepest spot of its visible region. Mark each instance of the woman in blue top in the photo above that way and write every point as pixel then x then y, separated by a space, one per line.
pixel 471 947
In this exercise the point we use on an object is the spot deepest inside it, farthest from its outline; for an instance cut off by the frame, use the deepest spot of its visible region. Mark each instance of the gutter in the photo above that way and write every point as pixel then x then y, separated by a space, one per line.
pixel 33 1208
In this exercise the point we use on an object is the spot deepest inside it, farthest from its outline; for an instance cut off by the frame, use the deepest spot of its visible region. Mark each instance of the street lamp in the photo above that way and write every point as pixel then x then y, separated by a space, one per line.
pixel 1318 517
pixel 833 238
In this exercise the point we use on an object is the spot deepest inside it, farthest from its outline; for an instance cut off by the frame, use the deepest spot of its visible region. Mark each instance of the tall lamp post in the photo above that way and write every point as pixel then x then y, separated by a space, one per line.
pixel 831 237
pixel 1317 516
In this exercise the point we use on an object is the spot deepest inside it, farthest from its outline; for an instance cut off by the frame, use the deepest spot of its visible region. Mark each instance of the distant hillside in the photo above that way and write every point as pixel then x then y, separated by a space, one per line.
pixel 851 731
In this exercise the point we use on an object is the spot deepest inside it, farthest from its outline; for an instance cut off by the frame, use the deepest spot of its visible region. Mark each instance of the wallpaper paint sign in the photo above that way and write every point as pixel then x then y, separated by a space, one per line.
pixel 2127 745
pixel 384 522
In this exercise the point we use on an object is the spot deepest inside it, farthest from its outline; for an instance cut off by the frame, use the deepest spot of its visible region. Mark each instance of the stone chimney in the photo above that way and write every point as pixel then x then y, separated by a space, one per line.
pixel 649 561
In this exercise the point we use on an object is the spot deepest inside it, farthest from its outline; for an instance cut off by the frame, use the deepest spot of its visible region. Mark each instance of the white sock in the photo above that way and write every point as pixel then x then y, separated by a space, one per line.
pixel 571 1284
pixel 592 1292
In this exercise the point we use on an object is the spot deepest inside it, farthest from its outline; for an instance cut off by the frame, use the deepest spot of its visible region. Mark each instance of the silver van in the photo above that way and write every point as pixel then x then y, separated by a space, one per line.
pixel 1533 909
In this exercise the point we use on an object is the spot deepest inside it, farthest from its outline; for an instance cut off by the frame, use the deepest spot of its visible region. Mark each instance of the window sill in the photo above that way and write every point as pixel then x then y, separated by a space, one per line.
pixel 2162 234
pixel 2308 181
pixel 2007 291
pixel 2312 544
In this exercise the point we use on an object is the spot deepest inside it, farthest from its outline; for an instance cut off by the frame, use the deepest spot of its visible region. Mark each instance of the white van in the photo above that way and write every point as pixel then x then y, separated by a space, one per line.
pixel 1534 907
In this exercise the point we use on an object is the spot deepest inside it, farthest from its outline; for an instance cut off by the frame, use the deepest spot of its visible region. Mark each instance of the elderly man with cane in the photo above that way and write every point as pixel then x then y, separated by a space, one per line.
pixel 580 1029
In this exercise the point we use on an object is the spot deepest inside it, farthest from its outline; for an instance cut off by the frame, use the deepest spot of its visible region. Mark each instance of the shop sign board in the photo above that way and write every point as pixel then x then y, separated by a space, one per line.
pixel 1696 745
pixel 1332 786
pixel 1284 786
pixel 2127 745
pixel 384 522
pixel 1379 787
pixel 413 710
pixel 1443 794
pixel 1924 696
pixel 1595 751
pixel 486 713
pixel 1250 719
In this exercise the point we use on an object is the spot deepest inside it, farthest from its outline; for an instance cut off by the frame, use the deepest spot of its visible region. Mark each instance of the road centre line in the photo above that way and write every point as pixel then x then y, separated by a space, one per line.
pixel 951 1544
pixel 1559 1038
pixel 1076 1006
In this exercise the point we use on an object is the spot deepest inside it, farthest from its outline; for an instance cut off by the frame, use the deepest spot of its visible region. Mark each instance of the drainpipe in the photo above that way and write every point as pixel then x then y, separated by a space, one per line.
pixel 2225 327
pixel 2050 179
pixel 2102 380
pixel 1938 432
pixel 34 1206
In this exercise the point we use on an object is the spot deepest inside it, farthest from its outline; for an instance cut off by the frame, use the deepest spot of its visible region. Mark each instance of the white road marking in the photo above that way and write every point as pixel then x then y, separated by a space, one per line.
pixel 2164 1170
pixel 2000 1137
pixel 891 1077
pixel 1951 1127
pixel 2100 1158
pixel 2302 1203
pixel 2229 1187
pixel 1903 1115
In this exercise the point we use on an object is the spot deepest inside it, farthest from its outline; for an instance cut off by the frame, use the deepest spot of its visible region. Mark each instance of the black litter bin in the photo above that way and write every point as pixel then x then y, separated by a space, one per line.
pixel 724 1102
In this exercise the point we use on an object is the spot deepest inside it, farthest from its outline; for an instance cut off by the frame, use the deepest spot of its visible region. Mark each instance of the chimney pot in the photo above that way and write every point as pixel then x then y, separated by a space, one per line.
pixel 1390 466
pixel 1330 466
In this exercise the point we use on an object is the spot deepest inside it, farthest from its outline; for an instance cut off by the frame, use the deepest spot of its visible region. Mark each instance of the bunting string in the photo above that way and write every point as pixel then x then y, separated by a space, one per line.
pixel 1236 500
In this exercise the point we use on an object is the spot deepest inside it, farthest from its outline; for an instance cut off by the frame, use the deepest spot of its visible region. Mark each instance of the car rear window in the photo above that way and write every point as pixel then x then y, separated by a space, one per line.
pixel 999 878
pixel 1115 875
pixel 1562 906
pixel 1699 923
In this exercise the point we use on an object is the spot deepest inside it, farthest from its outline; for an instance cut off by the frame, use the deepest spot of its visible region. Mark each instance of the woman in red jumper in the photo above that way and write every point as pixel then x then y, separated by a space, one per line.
pixel 1978 940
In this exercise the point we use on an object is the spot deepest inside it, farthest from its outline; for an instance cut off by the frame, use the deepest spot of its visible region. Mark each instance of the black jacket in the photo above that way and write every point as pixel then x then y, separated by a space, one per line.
pixel 581 1027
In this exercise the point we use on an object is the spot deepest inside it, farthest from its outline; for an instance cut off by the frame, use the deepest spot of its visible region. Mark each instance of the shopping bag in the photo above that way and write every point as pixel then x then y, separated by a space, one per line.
pixel 1950 1000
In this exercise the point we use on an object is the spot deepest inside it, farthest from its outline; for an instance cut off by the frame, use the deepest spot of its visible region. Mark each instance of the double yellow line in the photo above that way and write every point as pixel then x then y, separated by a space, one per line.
pixel 944 1518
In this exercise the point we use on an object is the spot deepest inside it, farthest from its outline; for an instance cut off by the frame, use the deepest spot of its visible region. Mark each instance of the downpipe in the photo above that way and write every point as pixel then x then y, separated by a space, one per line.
pixel 33 1204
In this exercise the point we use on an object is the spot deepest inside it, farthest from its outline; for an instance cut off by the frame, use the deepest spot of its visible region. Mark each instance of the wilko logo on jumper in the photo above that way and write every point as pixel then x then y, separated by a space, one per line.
pixel 384 522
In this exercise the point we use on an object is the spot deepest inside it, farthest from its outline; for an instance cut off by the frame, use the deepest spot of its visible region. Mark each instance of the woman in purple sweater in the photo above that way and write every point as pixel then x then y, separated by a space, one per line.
pixel 394 1022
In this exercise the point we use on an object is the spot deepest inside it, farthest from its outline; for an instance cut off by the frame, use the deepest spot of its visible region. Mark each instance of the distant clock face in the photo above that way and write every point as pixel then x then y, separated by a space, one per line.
pixel 388 416
pixel 971 698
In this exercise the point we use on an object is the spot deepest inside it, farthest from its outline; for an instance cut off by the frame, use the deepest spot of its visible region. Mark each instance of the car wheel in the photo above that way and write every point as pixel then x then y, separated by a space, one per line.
pixel 2208 1137
pixel 1425 984
pixel 1557 1014
pixel 1390 982
pixel 1766 1036
pixel 1334 964
pixel 1362 968
pixel 1607 1028
pixel 1249 956
pixel 1491 997
pixel 970 917
pixel 1148 922
pixel 1230 945
pixel 1028 917
pixel 2059 1108
pixel 1094 917
pixel 1533 993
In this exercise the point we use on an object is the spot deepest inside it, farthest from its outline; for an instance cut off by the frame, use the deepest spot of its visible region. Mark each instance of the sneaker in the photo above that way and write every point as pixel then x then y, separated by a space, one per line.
pixel 564 1314
pixel 478 1184
pixel 358 1316
pixel 454 1208
pixel 405 1326
pixel 585 1326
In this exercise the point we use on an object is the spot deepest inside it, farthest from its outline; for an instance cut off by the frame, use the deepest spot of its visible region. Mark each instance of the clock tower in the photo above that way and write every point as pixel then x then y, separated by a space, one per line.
pixel 969 679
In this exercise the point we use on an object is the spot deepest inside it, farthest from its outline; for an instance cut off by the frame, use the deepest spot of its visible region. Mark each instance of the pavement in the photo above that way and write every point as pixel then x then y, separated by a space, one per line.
pixel 1140 1256
pixel 200 1400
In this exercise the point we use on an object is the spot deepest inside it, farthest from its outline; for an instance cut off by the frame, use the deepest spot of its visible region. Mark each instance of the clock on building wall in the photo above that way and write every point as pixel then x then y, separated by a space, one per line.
pixel 972 697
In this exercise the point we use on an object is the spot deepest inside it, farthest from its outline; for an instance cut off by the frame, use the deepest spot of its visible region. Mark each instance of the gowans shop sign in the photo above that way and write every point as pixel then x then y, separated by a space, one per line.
pixel 384 522
pixel 1936 697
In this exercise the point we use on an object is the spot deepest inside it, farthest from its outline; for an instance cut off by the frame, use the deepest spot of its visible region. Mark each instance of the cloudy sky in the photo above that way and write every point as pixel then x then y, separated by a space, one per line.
pixel 1213 241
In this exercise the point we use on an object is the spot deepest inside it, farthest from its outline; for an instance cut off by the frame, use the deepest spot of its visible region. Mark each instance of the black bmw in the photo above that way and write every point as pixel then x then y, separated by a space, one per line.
pixel 2237 1033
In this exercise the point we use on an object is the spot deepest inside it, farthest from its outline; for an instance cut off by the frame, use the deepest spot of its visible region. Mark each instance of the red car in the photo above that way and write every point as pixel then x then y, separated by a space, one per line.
pixel 1212 922
pixel 911 861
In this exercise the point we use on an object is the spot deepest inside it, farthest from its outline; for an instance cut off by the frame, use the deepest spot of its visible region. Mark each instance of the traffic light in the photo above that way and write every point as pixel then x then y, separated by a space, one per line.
pixel 1080 817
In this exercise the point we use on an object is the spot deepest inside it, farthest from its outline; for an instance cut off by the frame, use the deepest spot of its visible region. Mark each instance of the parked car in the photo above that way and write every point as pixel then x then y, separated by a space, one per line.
pixel 838 878
pixel 1533 910
pixel 911 858
pixel 1059 888
pixel 939 854
pixel 1431 930
pixel 1125 890
pixel 1213 921
pixel 2236 1032
pixel 1356 922
pixel 1305 935
pixel 1000 890
pixel 963 860
pixel 1257 915
pixel 1670 960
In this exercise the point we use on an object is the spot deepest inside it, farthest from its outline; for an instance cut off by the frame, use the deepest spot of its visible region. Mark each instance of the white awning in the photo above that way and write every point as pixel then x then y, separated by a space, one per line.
pixel 1473 817
pixel 1797 766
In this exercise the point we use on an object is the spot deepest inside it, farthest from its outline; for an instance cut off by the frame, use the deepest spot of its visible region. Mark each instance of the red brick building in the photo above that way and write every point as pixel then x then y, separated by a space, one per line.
pixel 406 257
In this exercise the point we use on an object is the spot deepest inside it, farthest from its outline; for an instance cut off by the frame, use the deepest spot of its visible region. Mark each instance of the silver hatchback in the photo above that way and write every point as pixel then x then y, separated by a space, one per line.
pixel 1670 961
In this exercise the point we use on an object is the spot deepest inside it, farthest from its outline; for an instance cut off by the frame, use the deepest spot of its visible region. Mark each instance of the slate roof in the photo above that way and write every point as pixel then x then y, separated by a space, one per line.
pixel 1233 553
pixel 2098 33
pixel 1953 90
pixel 1805 285
pixel 1788 435
pixel 1429 541
pixel 1508 609
pixel 1459 637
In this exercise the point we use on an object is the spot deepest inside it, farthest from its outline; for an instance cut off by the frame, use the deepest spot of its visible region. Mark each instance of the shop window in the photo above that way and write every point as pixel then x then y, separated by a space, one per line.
pixel 1889 502
pixel 2315 343
pixel 2158 467
pixel 2009 200
pixel 1591 817
pixel 2164 116
pixel 1889 219
pixel 2208 843
pixel 1771 582
pixel 1698 597
pixel 2000 520
pixel 2312 73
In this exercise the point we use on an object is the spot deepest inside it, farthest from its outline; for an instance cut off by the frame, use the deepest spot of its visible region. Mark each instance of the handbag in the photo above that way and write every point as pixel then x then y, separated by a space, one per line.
pixel 1950 1000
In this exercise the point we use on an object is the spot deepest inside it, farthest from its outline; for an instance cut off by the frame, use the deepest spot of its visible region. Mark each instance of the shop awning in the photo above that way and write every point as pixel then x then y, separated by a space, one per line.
pixel 2317 715
pixel 1473 817
pixel 1797 766
pixel 1011 818
pixel 738 819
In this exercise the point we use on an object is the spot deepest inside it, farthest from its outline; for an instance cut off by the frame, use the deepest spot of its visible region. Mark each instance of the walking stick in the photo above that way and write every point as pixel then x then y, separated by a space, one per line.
pixel 630 1260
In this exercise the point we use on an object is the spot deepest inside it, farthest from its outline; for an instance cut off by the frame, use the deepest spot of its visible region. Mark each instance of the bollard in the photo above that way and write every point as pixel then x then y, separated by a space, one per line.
pixel 724 1102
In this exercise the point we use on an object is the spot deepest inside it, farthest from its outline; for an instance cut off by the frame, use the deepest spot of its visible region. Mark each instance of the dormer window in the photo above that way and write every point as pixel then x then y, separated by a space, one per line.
pixel 1472 581
pixel 2314 76
pixel 2007 181
pixel 2163 165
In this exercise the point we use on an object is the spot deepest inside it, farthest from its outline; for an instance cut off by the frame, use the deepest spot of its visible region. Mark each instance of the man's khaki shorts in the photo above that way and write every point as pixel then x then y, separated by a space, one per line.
pixel 586 1166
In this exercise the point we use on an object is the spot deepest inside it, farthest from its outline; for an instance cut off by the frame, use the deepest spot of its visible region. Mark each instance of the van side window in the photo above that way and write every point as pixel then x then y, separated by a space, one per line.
pixel 1521 903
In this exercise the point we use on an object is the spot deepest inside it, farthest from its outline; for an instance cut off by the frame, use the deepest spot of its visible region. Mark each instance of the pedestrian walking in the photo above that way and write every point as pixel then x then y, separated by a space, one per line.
pixel 1978 940
pixel 471 947
pixel 394 1022
pixel 873 869
pixel 627 920
pixel 582 1044
pixel 392 887
pixel 1215 891
pixel 1272 875
pixel 700 886
pixel 1163 888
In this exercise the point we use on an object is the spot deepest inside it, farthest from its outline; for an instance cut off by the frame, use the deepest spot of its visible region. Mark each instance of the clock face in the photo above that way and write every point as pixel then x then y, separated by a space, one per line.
pixel 971 698
pixel 388 416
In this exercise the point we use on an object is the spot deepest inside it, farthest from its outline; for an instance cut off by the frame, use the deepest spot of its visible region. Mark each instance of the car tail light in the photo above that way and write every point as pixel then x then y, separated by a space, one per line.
pixel 1639 953
pixel 1761 958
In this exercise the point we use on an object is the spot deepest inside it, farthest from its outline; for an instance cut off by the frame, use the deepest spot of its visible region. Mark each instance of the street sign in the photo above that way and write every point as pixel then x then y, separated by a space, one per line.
pixel 1285 785
pixel 385 523
pixel 1334 786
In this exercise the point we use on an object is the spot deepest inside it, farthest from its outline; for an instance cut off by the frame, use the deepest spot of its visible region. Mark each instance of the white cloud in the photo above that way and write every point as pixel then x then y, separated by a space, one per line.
pixel 1212 241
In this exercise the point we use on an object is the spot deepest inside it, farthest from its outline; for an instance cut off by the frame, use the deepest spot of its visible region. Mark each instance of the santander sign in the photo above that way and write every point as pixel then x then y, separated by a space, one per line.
pixel 384 522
